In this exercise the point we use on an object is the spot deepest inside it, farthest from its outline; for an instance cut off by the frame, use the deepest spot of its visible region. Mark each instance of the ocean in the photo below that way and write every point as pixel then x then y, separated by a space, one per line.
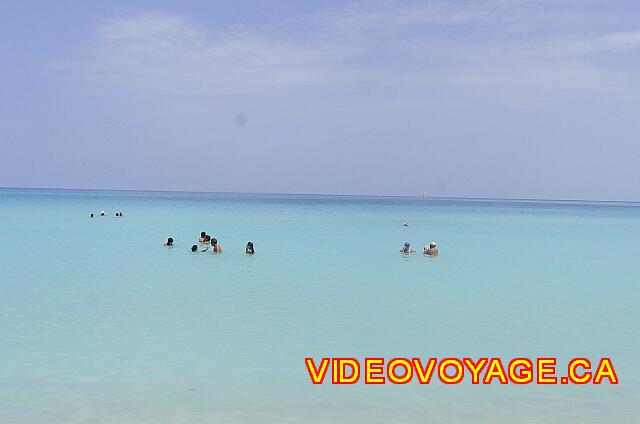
pixel 101 323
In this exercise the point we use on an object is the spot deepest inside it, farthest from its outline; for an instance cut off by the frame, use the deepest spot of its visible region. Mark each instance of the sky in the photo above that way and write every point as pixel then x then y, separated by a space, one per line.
pixel 507 99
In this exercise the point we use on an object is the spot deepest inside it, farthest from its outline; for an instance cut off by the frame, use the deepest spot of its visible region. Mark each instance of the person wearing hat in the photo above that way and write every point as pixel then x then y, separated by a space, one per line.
pixel 431 250
pixel 407 248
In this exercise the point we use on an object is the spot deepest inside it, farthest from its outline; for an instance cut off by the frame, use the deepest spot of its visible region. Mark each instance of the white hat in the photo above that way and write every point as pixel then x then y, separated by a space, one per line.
pixel 433 243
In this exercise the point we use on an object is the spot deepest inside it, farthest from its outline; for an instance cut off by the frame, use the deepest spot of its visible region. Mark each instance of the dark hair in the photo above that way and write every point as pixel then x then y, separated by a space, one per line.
pixel 214 240
pixel 202 234
pixel 207 237
pixel 249 247
pixel 194 248
pixel 91 215
pixel 169 240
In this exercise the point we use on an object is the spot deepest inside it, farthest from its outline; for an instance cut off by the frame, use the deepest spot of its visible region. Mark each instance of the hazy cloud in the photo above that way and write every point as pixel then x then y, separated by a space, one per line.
pixel 421 47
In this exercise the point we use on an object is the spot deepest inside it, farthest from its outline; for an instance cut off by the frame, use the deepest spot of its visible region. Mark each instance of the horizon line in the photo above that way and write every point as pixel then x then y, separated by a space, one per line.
pixel 515 199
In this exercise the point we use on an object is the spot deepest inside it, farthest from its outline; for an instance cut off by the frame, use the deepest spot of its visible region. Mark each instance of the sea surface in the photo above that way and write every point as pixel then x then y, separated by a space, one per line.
pixel 99 323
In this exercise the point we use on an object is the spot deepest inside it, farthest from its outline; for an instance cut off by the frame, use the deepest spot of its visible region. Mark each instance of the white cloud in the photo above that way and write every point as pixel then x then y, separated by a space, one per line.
pixel 484 49
pixel 607 43
pixel 166 54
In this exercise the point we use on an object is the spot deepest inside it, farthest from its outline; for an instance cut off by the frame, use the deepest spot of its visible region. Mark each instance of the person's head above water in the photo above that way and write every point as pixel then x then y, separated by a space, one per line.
pixel 407 248
pixel 169 241
pixel 214 241
pixel 194 248
pixel 207 237
pixel 249 248
pixel 431 249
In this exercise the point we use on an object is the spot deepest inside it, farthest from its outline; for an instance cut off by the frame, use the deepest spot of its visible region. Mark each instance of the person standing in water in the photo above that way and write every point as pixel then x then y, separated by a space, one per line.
pixel 431 250
pixel 249 249
pixel 407 248
pixel 216 247
pixel 202 237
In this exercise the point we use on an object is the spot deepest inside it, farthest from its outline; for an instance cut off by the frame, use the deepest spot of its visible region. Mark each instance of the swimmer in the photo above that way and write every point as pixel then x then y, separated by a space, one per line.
pixel 102 213
pixel 169 242
pixel 91 216
pixel 202 236
pixel 216 247
pixel 207 240
pixel 194 248
pixel 249 249
pixel 405 224
pixel 431 250
pixel 407 248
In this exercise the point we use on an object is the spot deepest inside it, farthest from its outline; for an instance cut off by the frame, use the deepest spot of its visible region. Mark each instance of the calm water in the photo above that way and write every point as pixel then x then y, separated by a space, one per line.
pixel 101 324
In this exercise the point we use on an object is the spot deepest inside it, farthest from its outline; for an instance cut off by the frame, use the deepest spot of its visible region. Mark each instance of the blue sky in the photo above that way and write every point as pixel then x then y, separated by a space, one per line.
pixel 522 99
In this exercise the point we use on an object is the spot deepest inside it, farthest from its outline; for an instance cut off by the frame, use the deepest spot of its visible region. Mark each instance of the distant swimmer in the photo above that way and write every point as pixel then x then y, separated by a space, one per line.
pixel 407 248
pixel 207 240
pixel 91 216
pixel 169 242
pixel 216 247
pixel 405 224
pixel 119 215
pixel 202 237
pixel 194 248
pixel 249 249
pixel 103 213
pixel 431 250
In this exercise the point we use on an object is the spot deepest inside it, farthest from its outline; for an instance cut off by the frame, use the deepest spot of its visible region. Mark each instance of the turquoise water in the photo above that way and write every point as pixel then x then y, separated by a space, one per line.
pixel 102 324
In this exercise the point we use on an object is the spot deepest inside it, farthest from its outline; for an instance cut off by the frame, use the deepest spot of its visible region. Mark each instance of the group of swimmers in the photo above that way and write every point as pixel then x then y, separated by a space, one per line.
pixel 431 249
pixel 210 243
pixel 103 213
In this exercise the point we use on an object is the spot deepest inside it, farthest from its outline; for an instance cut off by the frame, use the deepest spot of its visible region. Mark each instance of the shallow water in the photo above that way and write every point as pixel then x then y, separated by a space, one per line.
pixel 102 324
